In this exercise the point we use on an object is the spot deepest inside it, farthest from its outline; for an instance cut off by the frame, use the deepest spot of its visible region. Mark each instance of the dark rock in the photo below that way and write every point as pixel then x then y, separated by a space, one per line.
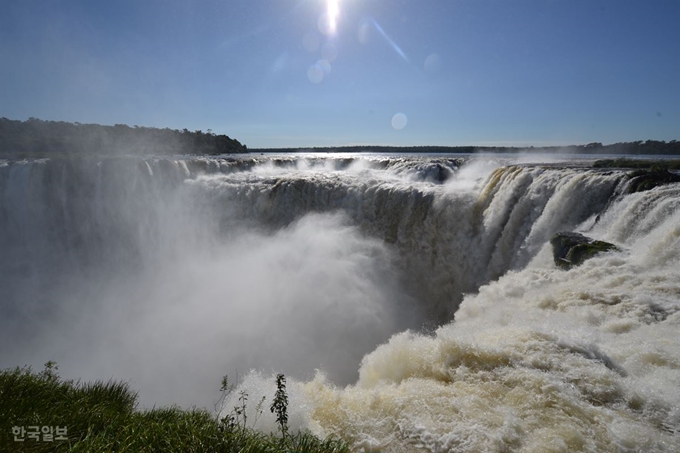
pixel 436 173
pixel 572 249
pixel 642 180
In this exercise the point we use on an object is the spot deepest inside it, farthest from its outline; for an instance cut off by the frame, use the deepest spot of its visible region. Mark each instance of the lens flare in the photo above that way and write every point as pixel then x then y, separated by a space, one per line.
pixel 389 40
pixel 399 121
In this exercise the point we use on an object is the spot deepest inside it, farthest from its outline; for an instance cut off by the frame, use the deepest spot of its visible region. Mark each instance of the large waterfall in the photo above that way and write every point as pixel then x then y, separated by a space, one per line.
pixel 413 300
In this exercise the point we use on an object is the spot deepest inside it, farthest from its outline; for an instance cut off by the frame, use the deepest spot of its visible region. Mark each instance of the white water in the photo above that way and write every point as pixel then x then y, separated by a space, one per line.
pixel 541 360
pixel 175 273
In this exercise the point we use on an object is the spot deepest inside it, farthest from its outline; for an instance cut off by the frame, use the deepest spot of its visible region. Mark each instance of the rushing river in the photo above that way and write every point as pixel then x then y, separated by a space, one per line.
pixel 413 302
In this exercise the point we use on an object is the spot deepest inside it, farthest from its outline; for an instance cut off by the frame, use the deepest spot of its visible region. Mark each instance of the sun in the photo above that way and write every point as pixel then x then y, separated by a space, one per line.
pixel 328 22
pixel 332 11
pixel 330 17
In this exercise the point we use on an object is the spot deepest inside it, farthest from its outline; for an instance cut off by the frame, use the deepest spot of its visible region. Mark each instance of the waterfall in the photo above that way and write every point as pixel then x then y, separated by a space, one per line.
pixel 423 285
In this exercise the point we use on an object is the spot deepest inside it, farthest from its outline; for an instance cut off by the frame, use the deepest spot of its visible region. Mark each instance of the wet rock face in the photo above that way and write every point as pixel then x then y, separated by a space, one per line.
pixel 572 249
pixel 642 180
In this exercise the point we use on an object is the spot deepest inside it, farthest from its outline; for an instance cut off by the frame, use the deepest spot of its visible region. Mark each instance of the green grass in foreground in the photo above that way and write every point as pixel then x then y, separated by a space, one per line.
pixel 102 417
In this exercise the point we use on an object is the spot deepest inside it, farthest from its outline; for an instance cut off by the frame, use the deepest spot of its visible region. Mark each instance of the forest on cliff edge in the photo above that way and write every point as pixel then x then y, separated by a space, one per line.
pixel 38 138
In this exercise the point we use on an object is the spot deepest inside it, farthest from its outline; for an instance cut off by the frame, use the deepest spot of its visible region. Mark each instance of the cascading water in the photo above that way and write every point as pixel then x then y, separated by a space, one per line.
pixel 173 273
pixel 540 360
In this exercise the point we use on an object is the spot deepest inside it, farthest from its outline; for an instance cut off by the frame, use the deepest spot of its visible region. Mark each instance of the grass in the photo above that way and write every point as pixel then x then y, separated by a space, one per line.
pixel 103 417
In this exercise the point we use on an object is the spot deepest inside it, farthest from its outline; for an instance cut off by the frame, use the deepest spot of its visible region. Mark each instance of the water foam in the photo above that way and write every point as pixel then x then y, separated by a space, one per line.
pixel 540 360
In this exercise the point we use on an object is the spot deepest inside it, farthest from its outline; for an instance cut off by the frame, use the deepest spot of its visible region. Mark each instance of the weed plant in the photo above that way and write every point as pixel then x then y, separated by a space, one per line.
pixel 103 417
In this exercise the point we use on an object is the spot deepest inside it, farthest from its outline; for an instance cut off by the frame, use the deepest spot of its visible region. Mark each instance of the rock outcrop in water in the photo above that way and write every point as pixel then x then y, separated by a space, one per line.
pixel 572 249
pixel 642 180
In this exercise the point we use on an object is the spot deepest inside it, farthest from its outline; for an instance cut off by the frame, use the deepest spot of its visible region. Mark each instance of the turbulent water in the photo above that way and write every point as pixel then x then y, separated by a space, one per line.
pixel 412 301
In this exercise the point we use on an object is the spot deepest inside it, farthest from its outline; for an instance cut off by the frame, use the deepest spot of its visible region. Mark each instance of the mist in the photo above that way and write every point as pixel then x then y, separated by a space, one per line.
pixel 162 284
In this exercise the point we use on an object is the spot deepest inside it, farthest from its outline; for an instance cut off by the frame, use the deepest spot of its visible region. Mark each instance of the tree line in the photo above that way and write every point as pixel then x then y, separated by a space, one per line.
pixel 39 138
pixel 648 147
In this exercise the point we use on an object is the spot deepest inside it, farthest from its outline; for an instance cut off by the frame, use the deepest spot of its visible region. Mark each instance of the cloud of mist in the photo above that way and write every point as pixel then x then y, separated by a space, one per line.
pixel 472 175
pixel 189 302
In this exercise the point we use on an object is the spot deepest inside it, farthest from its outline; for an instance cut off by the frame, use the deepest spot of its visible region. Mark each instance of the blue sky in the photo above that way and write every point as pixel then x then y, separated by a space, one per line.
pixel 276 73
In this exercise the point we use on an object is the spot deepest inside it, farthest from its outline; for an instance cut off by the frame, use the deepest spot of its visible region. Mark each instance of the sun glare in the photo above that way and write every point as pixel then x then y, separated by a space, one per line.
pixel 333 11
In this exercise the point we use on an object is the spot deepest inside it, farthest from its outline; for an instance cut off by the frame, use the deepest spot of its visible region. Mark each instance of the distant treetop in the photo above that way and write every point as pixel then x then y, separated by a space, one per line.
pixel 649 147
pixel 38 138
